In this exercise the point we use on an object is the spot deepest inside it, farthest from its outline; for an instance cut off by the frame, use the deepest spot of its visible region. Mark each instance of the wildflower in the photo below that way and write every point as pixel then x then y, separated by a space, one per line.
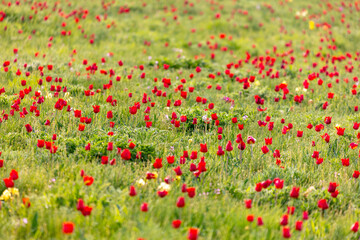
pixel 180 203
pixel 176 223
pixel 355 227
pixel 286 232
pixel 144 207
pixel 68 227
pixel 250 218
pixel 88 180
pixel 295 192
pixel 345 162
pixel 323 204
pixel 193 234
pixel 340 131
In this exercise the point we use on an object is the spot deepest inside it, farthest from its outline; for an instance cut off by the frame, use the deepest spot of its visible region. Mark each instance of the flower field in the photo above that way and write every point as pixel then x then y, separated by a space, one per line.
pixel 181 119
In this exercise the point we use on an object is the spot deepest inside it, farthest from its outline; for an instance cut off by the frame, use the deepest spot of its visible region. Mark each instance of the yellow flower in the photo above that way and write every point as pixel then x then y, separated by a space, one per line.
pixel 9 194
pixel 6 195
pixel 14 192
pixel 256 83
pixel 311 25
pixel 178 178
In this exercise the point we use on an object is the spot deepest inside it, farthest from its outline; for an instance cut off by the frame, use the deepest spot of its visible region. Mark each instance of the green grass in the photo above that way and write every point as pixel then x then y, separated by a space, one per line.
pixel 149 36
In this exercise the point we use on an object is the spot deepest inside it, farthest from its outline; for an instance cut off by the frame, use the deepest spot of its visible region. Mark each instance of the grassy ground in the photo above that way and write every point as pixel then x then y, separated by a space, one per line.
pixel 178 58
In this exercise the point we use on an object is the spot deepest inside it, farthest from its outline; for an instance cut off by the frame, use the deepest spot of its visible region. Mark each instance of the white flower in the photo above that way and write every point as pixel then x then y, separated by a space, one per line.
pixel 140 182
pixel 48 95
pixel 164 187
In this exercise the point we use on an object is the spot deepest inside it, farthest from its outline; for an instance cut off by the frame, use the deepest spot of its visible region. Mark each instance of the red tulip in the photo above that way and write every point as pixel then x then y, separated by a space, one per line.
pixel 41 143
pixel 335 194
pixel 14 175
pixel 158 163
pixel 284 220
pixel 180 203
pixel 305 215
pixel 126 154
pixel 88 180
pixel 104 160
pixel 220 151
pixel 355 227
pixel 279 183
pixel 191 192
pixel 26 202
pixel 8 182
pixel 178 171
pixel 193 234
pixel 68 227
pixel 229 147
pixel 28 128
pixel 248 203
pixel 345 162
pixel 132 145
pixel 86 211
pixel 265 149
pixel 132 191
pixel 144 207
pixel 295 192
pixel 286 232
pixel 258 187
pixel 162 193
pixel 340 131
pixel 260 221
pixel 250 218
pixel 184 188
pixel 298 225
pixel 323 204
pixel 332 187
pixel 96 108
pixel 327 120
pixel 170 159
pixel 203 148
pixel 80 205
pixel 315 154
pixel 291 210
pixel 251 140
pixel 176 223
pixel 268 141
pixel 81 127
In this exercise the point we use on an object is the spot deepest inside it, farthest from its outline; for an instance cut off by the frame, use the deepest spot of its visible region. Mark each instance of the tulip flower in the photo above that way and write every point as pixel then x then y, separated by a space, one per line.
pixel 68 227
